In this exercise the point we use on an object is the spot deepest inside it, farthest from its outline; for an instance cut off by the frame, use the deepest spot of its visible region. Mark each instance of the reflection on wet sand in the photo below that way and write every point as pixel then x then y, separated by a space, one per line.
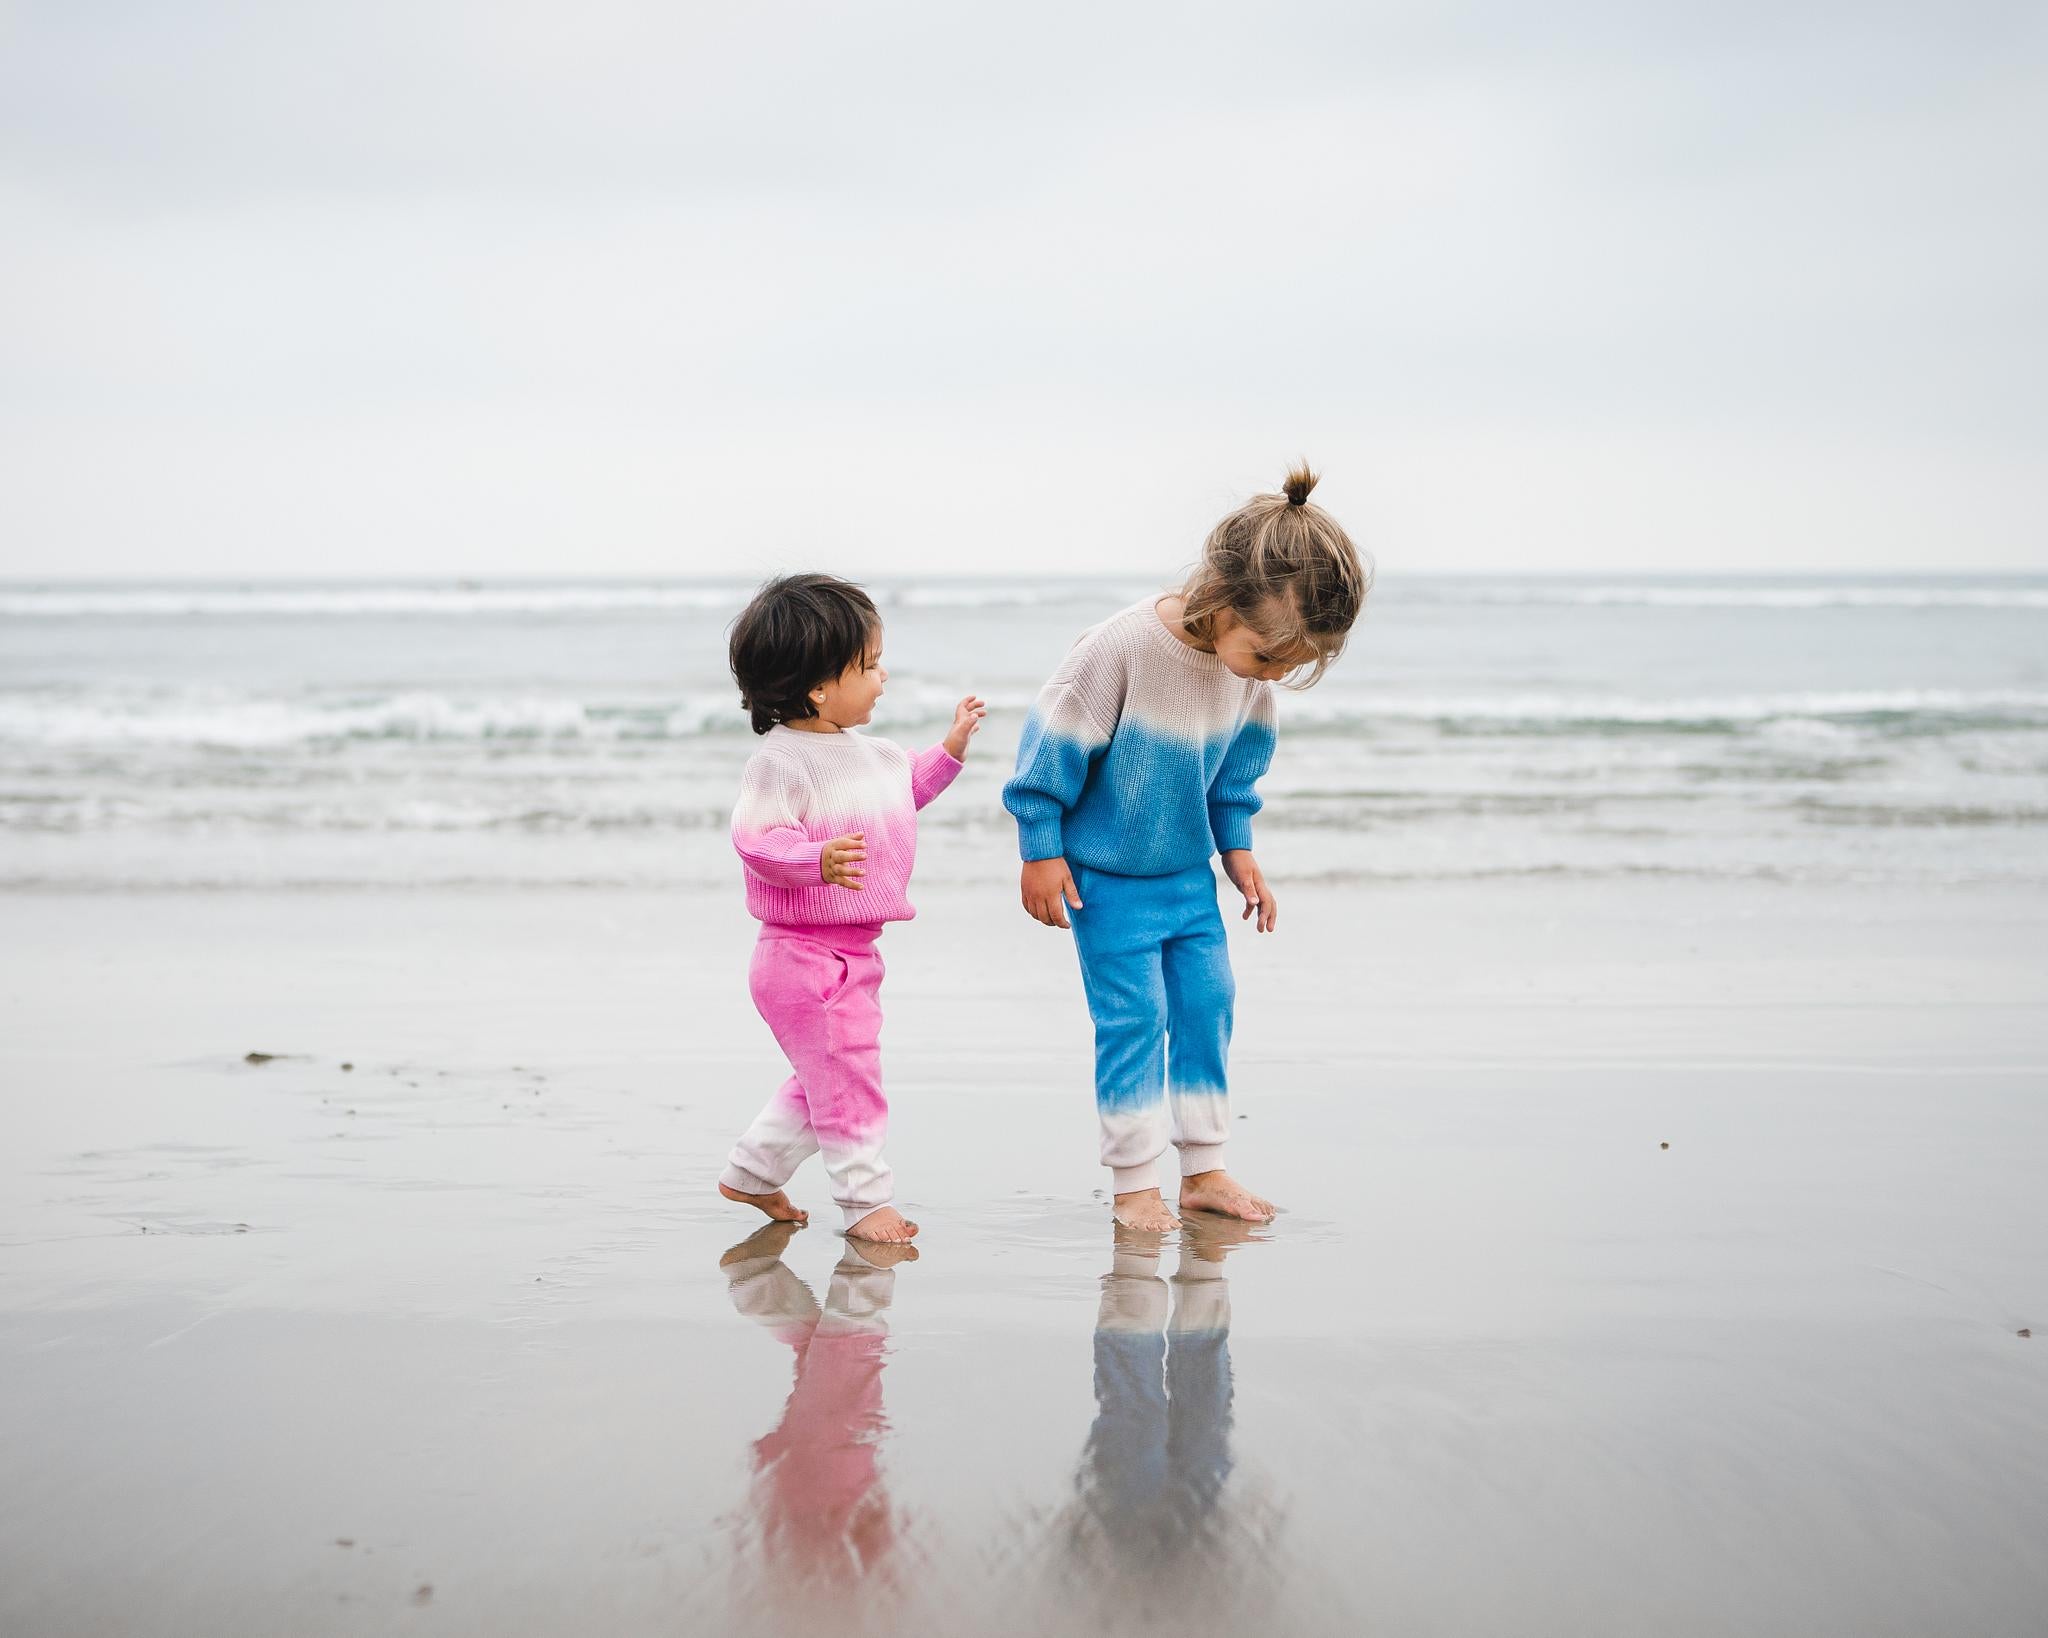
pixel 1160 1521
pixel 821 1516
pixel 1155 1512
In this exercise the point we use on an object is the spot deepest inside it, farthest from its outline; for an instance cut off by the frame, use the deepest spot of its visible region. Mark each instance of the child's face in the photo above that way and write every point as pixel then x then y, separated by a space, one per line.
pixel 848 700
pixel 1246 651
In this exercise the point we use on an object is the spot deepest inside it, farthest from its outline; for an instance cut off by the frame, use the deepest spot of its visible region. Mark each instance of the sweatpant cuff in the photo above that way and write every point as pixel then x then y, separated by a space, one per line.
pixel 736 1176
pixel 1200 1157
pixel 1132 1179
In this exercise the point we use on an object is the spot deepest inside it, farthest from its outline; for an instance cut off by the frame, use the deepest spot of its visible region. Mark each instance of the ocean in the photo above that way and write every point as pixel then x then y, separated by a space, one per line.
pixel 295 735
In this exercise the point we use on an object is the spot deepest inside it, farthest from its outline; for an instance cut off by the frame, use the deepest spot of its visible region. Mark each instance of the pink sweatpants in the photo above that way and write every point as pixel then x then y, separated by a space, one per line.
pixel 819 988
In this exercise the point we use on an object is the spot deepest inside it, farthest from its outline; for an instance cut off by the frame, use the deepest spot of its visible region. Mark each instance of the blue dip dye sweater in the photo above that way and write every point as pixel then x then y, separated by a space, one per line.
pixel 1141 755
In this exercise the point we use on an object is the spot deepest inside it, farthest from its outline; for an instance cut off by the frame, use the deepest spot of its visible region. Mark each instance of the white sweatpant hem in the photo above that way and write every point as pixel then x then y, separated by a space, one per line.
pixel 736 1176
pixel 1134 1179
pixel 1200 1157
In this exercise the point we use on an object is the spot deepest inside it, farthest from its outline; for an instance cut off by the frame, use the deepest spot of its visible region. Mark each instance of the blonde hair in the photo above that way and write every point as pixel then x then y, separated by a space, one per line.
pixel 1281 551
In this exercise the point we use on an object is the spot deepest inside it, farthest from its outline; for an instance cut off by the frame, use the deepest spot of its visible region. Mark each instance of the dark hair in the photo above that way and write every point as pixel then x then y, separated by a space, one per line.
pixel 799 630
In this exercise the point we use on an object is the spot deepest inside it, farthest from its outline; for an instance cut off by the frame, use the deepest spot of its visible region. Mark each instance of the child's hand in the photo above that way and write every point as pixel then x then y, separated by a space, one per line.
pixel 1246 876
pixel 1048 890
pixel 844 860
pixel 967 717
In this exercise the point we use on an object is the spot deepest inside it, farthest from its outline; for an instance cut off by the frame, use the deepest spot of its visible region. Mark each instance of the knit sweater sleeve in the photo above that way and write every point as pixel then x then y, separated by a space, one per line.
pixel 767 827
pixel 1069 726
pixel 1233 794
pixel 931 772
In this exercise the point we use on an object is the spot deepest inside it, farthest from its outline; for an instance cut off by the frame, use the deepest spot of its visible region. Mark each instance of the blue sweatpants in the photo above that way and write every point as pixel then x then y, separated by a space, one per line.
pixel 1156 967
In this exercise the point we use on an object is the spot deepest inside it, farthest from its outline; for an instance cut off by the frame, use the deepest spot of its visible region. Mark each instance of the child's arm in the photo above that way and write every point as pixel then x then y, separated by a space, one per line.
pixel 766 832
pixel 1233 793
pixel 1062 737
pixel 931 771
pixel 1234 798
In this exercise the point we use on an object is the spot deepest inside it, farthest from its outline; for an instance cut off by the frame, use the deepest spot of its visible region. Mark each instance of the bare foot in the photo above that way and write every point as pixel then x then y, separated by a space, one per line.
pixel 884 1223
pixel 776 1205
pixel 1144 1209
pixel 883 1253
pixel 769 1240
pixel 1221 1193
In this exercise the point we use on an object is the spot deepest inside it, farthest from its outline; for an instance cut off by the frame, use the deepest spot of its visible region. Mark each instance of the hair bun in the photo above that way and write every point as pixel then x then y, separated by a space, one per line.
pixel 1300 481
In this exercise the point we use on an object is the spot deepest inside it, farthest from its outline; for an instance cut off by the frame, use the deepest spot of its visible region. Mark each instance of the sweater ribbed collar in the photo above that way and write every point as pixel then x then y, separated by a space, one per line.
pixel 810 736
pixel 1187 653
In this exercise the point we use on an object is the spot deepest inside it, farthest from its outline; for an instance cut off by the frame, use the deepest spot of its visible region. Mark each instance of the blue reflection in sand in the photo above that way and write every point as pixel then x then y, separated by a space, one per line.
pixel 1159 1452
pixel 1152 1486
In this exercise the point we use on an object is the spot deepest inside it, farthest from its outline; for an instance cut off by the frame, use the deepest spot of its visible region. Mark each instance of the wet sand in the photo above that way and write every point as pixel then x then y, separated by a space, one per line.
pixel 460 1338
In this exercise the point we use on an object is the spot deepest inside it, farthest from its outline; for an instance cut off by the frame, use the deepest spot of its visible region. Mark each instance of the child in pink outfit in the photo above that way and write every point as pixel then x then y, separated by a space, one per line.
pixel 826 829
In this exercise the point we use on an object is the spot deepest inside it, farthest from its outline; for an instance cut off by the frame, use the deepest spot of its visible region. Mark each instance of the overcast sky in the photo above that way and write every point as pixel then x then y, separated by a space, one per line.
pixel 507 289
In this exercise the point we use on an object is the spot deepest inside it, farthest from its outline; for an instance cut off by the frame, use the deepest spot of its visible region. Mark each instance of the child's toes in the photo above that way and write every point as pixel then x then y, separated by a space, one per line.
pixel 885 1224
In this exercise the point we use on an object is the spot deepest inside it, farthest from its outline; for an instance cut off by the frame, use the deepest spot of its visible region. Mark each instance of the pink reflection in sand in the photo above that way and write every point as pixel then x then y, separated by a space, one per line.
pixel 822 1515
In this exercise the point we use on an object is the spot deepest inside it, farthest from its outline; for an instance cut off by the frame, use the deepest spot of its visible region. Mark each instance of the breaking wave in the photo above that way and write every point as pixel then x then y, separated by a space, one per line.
pixel 220 721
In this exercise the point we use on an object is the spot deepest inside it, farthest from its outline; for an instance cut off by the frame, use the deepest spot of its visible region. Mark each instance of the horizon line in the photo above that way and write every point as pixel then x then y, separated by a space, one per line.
pixel 462 580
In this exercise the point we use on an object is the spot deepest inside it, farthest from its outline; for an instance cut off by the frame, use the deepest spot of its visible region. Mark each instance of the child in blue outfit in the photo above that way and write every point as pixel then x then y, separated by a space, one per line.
pixel 1140 762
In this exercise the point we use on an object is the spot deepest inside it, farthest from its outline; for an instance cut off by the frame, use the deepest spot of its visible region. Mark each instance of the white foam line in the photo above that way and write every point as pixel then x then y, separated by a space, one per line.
pixel 1759 597
pixel 1566 708
pixel 173 602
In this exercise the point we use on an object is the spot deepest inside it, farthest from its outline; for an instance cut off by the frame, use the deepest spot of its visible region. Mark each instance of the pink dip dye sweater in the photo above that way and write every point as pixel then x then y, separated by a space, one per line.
pixel 802 790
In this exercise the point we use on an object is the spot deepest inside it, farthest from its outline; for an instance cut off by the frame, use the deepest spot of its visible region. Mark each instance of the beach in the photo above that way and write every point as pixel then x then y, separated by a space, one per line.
pixel 424 1320
pixel 1556 500
pixel 1651 1063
